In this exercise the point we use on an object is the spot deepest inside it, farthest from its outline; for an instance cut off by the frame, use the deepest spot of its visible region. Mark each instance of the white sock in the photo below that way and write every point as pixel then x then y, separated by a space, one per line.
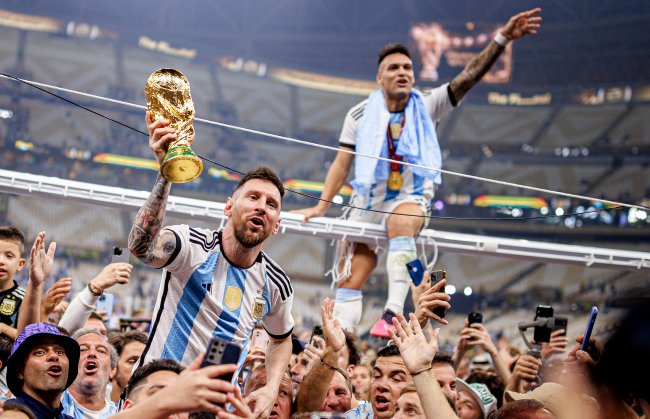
pixel 401 250
pixel 348 308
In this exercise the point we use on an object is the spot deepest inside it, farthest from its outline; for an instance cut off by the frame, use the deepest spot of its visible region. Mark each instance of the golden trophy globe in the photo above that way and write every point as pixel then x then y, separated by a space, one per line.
pixel 168 97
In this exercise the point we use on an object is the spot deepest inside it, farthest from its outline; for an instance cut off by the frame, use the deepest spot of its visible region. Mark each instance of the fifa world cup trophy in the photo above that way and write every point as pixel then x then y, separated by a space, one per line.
pixel 168 97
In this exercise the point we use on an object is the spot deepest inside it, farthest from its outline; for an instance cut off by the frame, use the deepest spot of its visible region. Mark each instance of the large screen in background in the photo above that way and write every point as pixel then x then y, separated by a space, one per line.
pixel 443 53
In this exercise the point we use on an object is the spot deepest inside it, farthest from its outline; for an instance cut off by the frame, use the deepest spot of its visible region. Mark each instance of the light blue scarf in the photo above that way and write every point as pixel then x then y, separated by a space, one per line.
pixel 418 143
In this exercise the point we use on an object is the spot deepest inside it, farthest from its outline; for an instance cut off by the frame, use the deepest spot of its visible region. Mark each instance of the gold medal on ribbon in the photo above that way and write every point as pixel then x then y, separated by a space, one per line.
pixel 395 181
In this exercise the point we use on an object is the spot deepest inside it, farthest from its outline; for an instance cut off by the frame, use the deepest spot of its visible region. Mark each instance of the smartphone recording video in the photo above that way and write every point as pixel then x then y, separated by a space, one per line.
pixel 474 318
pixel 543 333
pixel 437 276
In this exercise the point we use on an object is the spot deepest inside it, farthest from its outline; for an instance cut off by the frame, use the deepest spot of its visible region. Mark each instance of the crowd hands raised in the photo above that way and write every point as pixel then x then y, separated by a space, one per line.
pixel 91 373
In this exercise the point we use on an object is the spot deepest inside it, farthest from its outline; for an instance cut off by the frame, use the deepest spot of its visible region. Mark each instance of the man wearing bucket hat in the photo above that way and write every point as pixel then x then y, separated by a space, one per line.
pixel 42 364
pixel 474 400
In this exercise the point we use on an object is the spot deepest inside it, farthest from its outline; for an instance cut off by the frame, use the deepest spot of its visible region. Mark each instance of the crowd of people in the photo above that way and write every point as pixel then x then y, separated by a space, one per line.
pixel 75 367
pixel 223 341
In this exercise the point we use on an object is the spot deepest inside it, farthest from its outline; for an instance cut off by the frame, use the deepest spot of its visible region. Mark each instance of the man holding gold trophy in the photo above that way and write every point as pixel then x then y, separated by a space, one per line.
pixel 215 283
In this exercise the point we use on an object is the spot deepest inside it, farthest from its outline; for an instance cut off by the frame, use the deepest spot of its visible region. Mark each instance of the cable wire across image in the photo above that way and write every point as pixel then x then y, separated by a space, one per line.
pixel 613 204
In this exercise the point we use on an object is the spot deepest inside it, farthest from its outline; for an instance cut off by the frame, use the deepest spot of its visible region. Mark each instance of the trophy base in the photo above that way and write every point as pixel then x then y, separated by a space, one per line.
pixel 181 165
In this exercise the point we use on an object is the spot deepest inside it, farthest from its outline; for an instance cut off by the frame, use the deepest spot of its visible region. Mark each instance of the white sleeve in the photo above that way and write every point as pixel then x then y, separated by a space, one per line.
pixel 279 320
pixel 438 101
pixel 78 312
pixel 191 246
pixel 348 135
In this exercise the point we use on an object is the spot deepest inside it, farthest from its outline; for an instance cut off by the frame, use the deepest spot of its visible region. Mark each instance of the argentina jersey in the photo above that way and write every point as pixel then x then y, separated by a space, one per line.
pixel 414 185
pixel 73 408
pixel 202 294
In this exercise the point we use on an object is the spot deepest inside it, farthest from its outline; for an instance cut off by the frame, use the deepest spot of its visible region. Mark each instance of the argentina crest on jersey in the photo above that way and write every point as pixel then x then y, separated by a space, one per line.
pixel 8 307
pixel 259 305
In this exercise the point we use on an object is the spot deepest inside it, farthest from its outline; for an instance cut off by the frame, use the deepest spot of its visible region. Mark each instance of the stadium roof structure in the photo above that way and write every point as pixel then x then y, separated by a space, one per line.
pixel 581 42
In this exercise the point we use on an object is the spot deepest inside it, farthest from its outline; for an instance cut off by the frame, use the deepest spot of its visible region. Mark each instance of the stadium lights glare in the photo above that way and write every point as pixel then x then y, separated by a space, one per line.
pixel 6 114
pixel 467 291
pixel 450 289
pixel 559 212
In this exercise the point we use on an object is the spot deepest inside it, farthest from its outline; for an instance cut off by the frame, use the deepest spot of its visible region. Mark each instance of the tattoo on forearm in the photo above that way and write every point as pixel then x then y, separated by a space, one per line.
pixel 148 223
pixel 475 70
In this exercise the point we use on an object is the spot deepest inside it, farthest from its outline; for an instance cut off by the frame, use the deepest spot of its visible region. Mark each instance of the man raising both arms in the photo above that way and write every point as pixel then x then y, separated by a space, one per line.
pixel 397 122
pixel 217 283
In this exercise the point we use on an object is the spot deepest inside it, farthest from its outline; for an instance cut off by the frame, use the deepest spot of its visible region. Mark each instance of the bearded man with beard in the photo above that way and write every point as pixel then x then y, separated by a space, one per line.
pixel 87 396
pixel 217 283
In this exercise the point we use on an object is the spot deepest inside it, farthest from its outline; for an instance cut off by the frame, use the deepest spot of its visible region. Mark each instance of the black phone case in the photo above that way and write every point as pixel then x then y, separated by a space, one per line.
pixel 437 276
pixel 221 352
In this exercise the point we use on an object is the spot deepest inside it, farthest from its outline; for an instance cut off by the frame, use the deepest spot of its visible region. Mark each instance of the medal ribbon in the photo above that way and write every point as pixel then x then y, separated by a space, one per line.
pixel 394 167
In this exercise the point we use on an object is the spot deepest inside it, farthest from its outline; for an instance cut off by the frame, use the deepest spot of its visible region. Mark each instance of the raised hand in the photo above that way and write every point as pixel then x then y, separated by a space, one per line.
pixel 40 261
pixel 557 344
pixel 416 352
pixel 114 273
pixel 332 331
pixel 577 358
pixel 526 368
pixel 199 389
pixel 477 335
pixel 241 408
pixel 521 24
pixel 160 135
pixel 429 300
pixel 312 353
pixel 54 296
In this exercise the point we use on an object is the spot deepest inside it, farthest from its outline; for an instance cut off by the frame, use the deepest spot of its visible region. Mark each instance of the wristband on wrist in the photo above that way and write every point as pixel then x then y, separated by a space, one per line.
pixel 501 40
pixel 93 292
pixel 421 371
pixel 328 365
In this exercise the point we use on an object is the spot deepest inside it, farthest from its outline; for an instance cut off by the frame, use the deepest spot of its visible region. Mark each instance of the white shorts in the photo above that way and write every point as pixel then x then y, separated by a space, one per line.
pixel 379 214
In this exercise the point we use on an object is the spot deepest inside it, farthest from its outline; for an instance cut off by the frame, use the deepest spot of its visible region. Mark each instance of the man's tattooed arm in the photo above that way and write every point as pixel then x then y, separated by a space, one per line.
pixel 146 241
pixel 475 70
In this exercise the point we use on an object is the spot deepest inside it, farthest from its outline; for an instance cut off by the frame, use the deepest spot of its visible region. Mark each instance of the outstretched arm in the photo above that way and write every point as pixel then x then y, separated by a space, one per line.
pixel 524 23
pixel 313 389
pixel 336 176
pixel 146 241
pixel 417 354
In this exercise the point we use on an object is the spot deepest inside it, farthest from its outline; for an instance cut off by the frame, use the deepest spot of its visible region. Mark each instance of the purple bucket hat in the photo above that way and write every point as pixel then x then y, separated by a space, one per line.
pixel 21 348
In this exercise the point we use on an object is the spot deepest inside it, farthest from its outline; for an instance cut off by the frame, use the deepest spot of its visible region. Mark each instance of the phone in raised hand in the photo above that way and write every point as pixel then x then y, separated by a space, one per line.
pixel 437 276
pixel 589 328
pixel 221 352
pixel 119 254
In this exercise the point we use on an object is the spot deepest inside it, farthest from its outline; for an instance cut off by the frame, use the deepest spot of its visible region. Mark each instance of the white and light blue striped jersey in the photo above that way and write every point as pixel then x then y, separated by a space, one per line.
pixel 204 295
pixel 73 408
pixel 438 102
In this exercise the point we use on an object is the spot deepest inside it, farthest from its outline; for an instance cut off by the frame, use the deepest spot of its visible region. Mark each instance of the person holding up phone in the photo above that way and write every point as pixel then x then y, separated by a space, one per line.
pixel 217 283
pixel 430 300
pixel 476 335
pixel 84 303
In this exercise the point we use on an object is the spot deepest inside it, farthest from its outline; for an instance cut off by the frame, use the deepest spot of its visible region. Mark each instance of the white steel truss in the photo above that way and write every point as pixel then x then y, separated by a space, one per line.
pixel 329 228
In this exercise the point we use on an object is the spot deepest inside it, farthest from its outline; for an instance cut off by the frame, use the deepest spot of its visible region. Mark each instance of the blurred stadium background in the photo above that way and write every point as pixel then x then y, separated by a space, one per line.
pixel 567 110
